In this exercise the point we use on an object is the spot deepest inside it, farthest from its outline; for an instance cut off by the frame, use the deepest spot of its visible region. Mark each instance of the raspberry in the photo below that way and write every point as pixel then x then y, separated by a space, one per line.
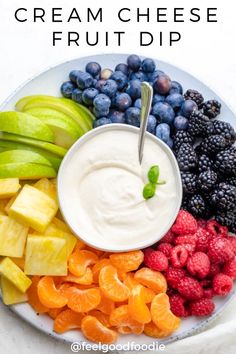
pixel 220 250
pixel 177 306
pixel 215 229
pixel 168 238
pixel 199 265
pixel 179 256
pixel 207 288
pixel 201 223
pixel 232 240
pixel 165 248
pixel 222 284
pixel 187 241
pixel 174 275
pixel 202 240
pixel 185 223
pixel 214 269
pixel 230 268
pixel 155 260
pixel 202 307
pixel 190 288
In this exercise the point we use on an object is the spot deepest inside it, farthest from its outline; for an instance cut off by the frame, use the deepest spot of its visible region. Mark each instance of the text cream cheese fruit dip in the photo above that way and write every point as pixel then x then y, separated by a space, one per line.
pixel 101 184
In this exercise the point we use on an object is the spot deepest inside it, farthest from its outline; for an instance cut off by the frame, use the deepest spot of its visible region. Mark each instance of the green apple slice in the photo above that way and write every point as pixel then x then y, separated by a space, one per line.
pixel 25 125
pixel 26 171
pixel 58 150
pixel 66 131
pixel 11 145
pixel 66 106
pixel 20 156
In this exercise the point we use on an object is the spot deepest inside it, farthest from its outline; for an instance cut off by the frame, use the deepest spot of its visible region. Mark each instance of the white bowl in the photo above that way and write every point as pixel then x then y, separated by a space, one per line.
pixel 106 243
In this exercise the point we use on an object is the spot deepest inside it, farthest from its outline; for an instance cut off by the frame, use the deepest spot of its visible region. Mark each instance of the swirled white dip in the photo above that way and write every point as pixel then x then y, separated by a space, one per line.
pixel 101 190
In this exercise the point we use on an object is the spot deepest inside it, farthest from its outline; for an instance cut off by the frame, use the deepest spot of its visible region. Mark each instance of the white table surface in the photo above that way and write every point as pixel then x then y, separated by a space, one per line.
pixel 206 51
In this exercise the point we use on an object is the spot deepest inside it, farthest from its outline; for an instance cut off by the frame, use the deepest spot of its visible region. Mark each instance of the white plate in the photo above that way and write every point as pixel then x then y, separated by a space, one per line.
pixel 49 83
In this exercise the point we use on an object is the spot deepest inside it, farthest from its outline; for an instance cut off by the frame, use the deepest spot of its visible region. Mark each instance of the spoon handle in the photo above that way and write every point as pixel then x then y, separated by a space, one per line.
pixel 146 102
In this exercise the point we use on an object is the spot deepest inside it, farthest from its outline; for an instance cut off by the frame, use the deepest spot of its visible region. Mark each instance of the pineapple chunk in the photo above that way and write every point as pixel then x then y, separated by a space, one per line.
pixel 53 231
pixel 20 262
pixel 46 186
pixel 12 237
pixel 14 274
pixel 33 208
pixel 10 294
pixel 3 203
pixel 9 187
pixel 45 256
pixel 9 204
pixel 61 225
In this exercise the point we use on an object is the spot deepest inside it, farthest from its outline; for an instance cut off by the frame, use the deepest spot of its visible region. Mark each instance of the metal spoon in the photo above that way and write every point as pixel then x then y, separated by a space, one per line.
pixel 146 102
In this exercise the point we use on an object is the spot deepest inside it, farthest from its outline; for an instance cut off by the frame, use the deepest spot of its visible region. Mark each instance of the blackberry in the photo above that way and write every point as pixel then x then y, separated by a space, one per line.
pixel 197 206
pixel 199 124
pixel 231 180
pixel 224 197
pixel 195 96
pixel 226 218
pixel 225 129
pixel 204 163
pixel 212 145
pixel 189 182
pixel 211 108
pixel 207 180
pixel 225 162
pixel 187 158
pixel 180 138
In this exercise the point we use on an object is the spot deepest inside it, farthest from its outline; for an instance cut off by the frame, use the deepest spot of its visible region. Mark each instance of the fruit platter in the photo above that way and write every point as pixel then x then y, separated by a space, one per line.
pixel 94 246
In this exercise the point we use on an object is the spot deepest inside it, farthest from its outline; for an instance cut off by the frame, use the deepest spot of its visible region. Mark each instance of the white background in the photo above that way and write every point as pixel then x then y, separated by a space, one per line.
pixel 206 51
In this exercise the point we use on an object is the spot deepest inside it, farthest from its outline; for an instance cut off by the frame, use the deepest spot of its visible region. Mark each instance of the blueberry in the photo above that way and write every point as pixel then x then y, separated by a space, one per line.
pixel 77 95
pixel 88 95
pixel 162 84
pixel 102 102
pixel 132 116
pixel 163 112
pixel 154 75
pixel 138 103
pixel 120 78
pixel 94 82
pixel 109 88
pixel 134 62
pixel 101 121
pixel 93 68
pixel 134 89
pixel 151 124
pixel 123 101
pixel 84 80
pixel 188 107
pixel 176 88
pixel 122 67
pixel 158 98
pixel 139 75
pixel 170 143
pixel 180 123
pixel 67 89
pixel 100 113
pixel 99 84
pixel 105 74
pixel 117 116
pixel 73 75
pixel 175 100
pixel 148 65
pixel 163 132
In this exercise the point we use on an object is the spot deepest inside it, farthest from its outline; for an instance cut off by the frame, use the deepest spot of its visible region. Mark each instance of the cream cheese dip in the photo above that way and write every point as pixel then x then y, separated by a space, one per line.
pixel 100 186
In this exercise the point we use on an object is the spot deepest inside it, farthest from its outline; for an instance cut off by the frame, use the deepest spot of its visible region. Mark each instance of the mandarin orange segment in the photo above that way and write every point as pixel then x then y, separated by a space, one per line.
pixel 95 331
pixel 120 318
pixel 79 245
pixel 83 300
pixel 106 305
pixel 161 314
pixel 85 279
pixel 151 330
pixel 49 295
pixel 98 266
pixel 80 260
pixel 53 313
pixel 67 320
pixel 130 282
pixel 151 279
pixel 99 253
pixel 100 316
pixel 33 298
pixel 138 309
pixel 111 286
pixel 127 261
